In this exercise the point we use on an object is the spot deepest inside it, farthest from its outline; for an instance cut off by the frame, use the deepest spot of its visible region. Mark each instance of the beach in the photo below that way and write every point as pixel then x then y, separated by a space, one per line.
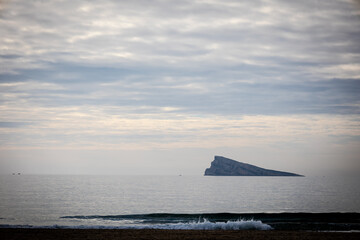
pixel 127 234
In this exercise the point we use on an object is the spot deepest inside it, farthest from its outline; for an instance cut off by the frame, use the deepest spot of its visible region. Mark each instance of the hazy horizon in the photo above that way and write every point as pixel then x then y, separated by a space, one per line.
pixel 161 87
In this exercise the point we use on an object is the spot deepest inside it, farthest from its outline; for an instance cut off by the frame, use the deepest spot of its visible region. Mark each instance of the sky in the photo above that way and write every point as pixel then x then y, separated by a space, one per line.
pixel 160 87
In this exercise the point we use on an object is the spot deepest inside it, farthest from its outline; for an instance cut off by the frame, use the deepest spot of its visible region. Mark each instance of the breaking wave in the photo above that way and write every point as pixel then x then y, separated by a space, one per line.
pixel 210 221
pixel 222 221
pixel 207 225
pixel 200 225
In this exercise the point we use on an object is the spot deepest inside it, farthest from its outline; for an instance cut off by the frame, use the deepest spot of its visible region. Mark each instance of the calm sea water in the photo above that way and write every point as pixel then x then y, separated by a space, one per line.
pixel 176 202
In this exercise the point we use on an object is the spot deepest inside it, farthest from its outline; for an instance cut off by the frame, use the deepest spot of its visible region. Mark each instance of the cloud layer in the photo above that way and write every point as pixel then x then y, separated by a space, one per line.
pixel 200 56
pixel 172 74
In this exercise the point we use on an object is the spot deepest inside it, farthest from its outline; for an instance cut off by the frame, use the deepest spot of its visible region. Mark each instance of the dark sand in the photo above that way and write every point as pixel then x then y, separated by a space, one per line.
pixel 110 234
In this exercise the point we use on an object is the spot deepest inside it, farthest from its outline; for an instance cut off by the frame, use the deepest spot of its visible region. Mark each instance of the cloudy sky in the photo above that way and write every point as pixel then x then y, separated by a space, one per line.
pixel 160 87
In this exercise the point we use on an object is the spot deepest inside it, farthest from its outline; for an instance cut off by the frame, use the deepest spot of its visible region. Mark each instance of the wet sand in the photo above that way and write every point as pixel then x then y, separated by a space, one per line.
pixel 110 234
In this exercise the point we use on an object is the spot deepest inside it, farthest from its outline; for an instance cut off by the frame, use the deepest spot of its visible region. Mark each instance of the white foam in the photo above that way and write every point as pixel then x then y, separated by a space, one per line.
pixel 199 225
pixel 207 225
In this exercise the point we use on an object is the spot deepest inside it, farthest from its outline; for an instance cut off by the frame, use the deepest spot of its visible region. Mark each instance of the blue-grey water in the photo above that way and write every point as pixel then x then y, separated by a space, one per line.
pixel 128 201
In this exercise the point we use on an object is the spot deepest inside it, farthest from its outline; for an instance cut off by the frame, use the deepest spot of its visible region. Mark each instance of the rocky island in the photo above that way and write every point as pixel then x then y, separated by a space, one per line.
pixel 222 166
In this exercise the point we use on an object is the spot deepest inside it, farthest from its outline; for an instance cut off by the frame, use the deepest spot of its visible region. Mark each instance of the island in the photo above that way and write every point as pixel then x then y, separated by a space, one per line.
pixel 222 166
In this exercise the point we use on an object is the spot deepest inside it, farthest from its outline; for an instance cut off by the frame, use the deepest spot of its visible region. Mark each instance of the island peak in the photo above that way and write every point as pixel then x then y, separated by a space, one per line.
pixel 222 166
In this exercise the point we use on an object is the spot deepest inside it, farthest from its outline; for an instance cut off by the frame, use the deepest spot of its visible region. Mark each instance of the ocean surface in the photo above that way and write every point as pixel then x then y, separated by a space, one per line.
pixel 180 202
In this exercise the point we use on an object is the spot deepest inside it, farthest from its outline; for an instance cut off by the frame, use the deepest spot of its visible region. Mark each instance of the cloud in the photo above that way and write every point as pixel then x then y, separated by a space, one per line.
pixel 200 93
pixel 184 33
pixel 101 127
pixel 13 124
pixel 172 74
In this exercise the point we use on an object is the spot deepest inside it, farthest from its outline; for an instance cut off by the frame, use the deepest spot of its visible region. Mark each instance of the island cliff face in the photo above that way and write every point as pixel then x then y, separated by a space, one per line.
pixel 222 166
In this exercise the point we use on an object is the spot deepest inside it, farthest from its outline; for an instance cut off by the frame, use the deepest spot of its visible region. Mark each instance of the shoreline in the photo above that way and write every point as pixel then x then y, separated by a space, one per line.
pixel 128 234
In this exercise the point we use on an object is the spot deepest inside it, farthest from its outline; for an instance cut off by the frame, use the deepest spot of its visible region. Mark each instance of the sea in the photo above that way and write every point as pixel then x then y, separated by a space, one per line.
pixel 180 202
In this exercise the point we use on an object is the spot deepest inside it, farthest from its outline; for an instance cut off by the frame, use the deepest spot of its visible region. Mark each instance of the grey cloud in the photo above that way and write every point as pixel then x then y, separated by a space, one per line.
pixel 162 20
pixel 14 124
pixel 256 57
pixel 10 56
pixel 214 92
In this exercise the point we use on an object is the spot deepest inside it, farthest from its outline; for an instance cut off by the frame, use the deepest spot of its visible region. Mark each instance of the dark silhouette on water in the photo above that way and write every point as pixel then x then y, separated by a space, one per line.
pixel 222 166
